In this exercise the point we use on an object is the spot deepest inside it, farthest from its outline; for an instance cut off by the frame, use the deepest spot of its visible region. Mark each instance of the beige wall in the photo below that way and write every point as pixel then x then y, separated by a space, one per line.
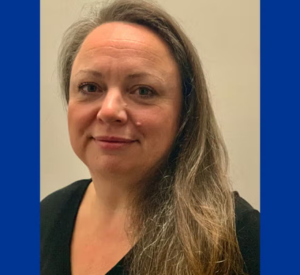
pixel 226 35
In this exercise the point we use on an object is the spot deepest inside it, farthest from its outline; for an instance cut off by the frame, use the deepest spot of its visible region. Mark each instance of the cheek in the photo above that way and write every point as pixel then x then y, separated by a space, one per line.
pixel 158 127
pixel 79 117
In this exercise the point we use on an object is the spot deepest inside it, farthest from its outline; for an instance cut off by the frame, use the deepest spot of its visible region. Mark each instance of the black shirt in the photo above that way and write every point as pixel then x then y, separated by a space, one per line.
pixel 58 215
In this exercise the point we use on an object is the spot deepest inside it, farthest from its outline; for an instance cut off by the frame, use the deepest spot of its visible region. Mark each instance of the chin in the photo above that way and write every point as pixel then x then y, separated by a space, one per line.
pixel 112 166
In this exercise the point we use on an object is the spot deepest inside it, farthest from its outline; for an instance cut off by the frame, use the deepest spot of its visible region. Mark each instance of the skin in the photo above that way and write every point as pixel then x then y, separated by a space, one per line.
pixel 117 60
pixel 124 83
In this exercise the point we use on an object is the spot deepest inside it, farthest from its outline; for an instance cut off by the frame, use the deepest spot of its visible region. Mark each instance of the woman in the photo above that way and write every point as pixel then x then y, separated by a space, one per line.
pixel 139 117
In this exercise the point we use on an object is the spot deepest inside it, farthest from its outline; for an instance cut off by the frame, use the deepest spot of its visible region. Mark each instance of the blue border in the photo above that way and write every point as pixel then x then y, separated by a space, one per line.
pixel 280 138
pixel 20 100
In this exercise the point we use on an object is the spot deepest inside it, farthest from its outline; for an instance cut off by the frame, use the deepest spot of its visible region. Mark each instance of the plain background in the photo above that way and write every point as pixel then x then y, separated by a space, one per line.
pixel 226 35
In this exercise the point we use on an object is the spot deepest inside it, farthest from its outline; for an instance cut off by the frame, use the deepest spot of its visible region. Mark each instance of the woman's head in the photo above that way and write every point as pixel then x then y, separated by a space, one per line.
pixel 196 109
pixel 124 100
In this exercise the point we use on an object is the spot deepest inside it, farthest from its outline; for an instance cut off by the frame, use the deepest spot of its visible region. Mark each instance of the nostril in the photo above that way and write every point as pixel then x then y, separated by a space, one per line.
pixel 112 115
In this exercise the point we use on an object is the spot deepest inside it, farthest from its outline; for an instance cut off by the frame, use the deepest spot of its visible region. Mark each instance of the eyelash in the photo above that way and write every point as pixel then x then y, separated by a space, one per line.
pixel 89 84
pixel 85 84
pixel 152 92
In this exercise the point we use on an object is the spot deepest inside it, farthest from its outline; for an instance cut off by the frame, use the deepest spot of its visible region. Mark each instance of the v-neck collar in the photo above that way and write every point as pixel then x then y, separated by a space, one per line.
pixel 73 206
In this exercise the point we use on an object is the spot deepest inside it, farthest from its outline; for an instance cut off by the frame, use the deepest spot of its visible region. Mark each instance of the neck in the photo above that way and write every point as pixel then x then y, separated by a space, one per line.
pixel 111 195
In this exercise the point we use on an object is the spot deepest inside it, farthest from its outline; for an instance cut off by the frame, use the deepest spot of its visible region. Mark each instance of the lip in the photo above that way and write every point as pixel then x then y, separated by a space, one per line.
pixel 113 139
pixel 113 142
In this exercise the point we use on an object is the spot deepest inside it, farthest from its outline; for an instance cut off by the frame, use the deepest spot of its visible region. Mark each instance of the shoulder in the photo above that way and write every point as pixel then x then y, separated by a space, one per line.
pixel 58 214
pixel 247 218
pixel 60 200
pixel 248 233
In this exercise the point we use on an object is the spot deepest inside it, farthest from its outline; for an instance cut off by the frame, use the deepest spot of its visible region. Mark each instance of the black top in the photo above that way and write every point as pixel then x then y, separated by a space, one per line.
pixel 58 215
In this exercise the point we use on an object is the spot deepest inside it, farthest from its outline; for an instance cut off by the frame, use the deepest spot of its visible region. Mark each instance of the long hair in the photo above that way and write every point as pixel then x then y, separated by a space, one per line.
pixel 184 222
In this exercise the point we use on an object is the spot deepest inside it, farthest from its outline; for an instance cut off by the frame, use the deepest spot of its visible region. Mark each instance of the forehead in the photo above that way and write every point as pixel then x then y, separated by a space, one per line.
pixel 126 40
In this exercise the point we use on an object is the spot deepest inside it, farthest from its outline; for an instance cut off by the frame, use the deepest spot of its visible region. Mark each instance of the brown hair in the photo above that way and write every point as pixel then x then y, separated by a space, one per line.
pixel 186 220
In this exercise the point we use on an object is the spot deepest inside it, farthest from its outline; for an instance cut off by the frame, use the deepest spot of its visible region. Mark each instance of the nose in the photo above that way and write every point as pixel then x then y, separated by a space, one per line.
pixel 113 108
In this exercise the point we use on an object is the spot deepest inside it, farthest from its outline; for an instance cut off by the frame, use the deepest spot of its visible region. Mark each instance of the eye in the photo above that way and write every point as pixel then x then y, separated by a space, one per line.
pixel 144 92
pixel 88 88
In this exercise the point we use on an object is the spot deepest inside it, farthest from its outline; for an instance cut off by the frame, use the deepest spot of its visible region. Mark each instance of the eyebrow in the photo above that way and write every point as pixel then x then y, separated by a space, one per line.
pixel 94 73
pixel 142 75
pixel 130 76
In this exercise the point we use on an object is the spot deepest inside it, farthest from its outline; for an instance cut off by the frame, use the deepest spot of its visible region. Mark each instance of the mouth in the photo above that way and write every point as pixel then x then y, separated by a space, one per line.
pixel 113 139
pixel 112 142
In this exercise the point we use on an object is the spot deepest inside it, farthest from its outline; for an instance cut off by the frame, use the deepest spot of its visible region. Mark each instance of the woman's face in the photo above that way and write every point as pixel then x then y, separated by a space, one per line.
pixel 125 100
